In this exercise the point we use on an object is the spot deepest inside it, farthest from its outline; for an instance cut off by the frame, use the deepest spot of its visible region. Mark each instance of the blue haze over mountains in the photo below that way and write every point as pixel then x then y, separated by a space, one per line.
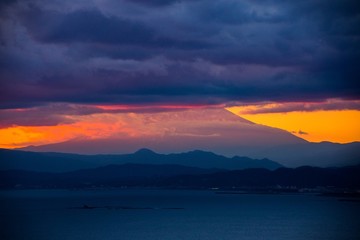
pixel 293 154
pixel 232 136
pixel 145 168
pixel 61 162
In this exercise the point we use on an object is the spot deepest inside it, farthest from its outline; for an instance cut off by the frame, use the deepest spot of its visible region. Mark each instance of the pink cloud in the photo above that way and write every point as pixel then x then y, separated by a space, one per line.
pixel 283 107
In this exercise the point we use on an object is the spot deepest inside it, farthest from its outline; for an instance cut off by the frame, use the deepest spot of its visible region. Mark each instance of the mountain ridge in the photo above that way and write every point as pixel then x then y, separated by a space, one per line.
pixel 60 162
pixel 323 154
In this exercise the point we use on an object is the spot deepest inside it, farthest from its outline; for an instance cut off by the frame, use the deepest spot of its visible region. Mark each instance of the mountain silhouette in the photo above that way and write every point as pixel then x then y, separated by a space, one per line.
pixel 216 130
pixel 61 162
pixel 144 152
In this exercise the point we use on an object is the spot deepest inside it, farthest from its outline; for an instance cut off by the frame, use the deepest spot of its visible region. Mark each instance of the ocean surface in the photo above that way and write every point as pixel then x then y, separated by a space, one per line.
pixel 173 214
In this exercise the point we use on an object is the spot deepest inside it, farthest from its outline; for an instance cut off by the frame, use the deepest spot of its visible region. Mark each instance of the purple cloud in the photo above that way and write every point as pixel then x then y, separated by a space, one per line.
pixel 331 104
pixel 177 52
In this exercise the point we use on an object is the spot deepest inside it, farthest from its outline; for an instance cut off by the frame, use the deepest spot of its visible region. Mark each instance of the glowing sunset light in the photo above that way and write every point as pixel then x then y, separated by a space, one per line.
pixel 314 126
pixel 153 108
pixel 89 127
pixel 14 137
pixel 166 81
pixel 111 103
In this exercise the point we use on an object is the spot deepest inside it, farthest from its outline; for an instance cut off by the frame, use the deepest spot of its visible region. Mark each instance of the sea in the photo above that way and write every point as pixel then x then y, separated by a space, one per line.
pixel 148 214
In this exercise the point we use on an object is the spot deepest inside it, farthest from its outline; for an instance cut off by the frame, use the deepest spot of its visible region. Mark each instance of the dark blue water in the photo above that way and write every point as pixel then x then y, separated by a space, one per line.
pixel 170 214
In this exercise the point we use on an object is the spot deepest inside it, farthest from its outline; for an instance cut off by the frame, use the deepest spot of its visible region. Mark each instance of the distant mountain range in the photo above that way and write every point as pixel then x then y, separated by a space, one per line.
pixel 176 176
pixel 62 162
pixel 323 154
pixel 291 154
pixel 145 168
pixel 218 131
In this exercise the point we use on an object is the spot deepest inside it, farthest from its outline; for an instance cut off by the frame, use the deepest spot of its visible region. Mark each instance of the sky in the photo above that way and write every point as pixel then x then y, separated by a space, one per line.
pixel 132 69
pixel 322 124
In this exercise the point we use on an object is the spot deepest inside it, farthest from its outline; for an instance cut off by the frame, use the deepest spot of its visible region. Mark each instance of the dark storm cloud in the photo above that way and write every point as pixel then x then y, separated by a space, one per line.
pixel 6 3
pixel 85 26
pixel 94 27
pixel 157 3
pixel 178 52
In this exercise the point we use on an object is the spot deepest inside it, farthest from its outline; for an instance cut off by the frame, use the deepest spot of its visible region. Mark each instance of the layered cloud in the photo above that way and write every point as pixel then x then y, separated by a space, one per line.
pixel 286 107
pixel 80 69
pixel 167 52
pixel 208 129
pixel 63 113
